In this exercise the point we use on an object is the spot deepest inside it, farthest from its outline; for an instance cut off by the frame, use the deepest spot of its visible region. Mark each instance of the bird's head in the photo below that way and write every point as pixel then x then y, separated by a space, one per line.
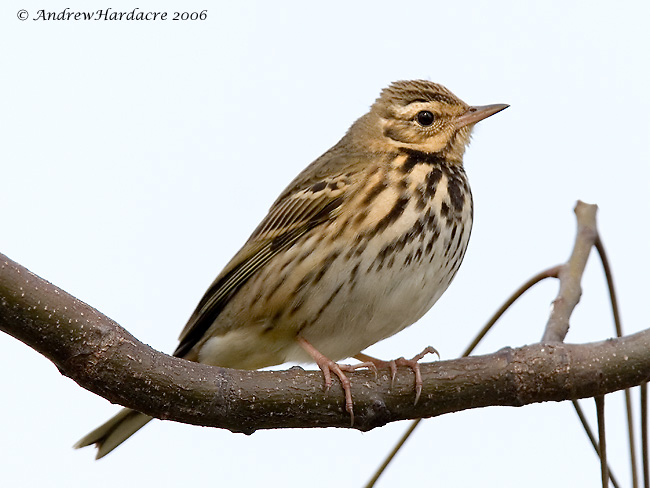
pixel 422 116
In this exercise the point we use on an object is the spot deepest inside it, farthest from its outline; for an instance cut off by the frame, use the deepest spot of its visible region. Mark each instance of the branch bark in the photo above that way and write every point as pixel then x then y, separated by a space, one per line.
pixel 104 358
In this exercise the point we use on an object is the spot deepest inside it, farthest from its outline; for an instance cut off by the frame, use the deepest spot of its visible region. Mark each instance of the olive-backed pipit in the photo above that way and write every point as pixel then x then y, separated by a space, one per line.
pixel 359 246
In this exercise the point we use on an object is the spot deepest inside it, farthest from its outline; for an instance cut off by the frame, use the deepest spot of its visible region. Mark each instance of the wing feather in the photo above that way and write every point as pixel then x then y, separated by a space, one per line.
pixel 289 219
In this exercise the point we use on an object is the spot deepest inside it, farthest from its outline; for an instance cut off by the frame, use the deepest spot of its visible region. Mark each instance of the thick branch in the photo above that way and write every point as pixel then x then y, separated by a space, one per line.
pixel 104 358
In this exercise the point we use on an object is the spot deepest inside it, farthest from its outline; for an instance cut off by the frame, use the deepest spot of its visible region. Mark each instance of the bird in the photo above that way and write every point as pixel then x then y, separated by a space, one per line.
pixel 360 245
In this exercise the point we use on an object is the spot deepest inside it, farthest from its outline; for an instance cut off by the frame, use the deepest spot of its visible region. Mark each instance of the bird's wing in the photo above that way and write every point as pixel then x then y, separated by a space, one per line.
pixel 289 218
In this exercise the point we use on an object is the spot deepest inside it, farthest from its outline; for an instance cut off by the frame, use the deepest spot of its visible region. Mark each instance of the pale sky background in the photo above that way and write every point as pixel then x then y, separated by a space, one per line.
pixel 137 157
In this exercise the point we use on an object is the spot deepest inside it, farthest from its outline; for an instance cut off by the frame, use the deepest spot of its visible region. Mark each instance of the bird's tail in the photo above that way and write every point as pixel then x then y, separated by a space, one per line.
pixel 115 431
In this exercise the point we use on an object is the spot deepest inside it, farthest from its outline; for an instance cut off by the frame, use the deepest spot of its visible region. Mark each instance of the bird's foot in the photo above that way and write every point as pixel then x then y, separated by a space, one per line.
pixel 327 366
pixel 379 364
pixel 393 364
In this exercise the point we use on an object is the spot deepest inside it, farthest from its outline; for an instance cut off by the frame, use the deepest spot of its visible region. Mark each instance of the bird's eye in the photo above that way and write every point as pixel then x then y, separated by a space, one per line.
pixel 425 118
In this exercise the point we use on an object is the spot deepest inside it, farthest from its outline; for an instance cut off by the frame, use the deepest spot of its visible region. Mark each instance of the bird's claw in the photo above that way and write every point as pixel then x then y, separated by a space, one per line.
pixel 415 367
pixel 327 366
pixel 393 364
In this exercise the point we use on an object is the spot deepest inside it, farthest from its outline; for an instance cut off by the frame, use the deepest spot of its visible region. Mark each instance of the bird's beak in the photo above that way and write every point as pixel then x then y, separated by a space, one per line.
pixel 476 114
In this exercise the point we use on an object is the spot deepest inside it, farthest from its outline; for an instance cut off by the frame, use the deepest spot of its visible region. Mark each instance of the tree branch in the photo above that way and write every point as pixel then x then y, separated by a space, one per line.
pixel 104 358
pixel 570 274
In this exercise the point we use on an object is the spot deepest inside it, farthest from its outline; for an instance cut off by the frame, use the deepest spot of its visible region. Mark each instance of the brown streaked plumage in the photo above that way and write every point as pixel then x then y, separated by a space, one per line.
pixel 359 246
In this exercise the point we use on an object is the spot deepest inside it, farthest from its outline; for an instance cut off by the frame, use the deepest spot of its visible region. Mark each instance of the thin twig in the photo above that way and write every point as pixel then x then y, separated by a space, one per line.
pixel 571 274
pixel 602 444
pixel 610 285
pixel 392 454
pixel 590 434
pixel 547 273
pixel 644 434
pixel 619 332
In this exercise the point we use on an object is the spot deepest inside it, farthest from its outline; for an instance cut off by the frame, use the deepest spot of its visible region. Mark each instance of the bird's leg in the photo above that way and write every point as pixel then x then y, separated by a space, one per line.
pixel 393 364
pixel 327 366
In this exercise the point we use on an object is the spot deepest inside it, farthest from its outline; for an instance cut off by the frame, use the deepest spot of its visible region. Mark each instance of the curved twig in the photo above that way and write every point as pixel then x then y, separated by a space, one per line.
pixel 619 333
pixel 592 439
pixel 392 454
pixel 547 273
pixel 602 444
pixel 644 434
